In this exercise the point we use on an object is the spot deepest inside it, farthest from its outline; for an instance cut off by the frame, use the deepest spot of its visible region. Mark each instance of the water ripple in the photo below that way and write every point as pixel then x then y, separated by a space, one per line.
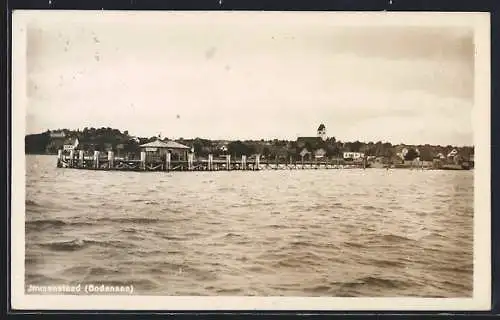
pixel 305 232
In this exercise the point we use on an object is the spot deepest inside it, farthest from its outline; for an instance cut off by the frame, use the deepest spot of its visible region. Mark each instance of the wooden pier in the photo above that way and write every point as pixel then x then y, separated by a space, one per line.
pixel 99 161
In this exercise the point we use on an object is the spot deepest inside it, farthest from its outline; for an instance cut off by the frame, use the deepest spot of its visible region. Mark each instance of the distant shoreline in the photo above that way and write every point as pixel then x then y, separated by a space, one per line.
pixel 321 148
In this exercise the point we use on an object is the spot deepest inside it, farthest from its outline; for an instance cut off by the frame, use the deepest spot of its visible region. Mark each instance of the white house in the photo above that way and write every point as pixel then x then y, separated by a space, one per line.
pixel 57 134
pixel 403 153
pixel 320 153
pixel 452 153
pixel 353 155
pixel 71 144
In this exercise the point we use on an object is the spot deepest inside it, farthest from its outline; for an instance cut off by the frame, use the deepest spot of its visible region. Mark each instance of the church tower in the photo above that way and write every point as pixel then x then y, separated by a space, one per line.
pixel 322 132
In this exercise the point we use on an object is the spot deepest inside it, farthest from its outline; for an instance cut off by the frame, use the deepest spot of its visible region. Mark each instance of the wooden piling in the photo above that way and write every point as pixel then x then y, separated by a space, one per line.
pixel 243 162
pixel 190 161
pixel 257 162
pixel 168 161
pixel 96 159
pixel 59 158
pixel 228 162
pixel 143 160
pixel 111 158
pixel 210 162
pixel 71 157
pixel 81 158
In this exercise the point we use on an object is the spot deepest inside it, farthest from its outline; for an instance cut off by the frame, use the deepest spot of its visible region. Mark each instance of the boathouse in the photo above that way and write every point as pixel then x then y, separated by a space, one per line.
pixel 159 149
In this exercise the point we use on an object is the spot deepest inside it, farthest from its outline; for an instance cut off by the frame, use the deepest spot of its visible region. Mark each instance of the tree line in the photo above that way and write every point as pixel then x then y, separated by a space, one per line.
pixel 101 138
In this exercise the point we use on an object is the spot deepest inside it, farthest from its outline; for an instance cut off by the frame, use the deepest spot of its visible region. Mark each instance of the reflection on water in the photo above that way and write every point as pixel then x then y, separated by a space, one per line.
pixel 281 233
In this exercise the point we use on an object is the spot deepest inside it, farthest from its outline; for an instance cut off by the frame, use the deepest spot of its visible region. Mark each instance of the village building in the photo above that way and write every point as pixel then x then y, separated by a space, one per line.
pixel 452 154
pixel 353 155
pixel 305 154
pixel 440 155
pixel 401 152
pixel 458 157
pixel 57 134
pixel 71 144
pixel 223 148
pixel 313 143
pixel 320 153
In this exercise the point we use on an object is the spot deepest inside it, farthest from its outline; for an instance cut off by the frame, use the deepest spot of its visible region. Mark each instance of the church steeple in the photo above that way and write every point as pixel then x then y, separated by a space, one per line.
pixel 322 132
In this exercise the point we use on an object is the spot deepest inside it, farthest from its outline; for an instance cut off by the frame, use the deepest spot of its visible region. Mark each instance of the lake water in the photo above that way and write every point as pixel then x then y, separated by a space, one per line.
pixel 335 233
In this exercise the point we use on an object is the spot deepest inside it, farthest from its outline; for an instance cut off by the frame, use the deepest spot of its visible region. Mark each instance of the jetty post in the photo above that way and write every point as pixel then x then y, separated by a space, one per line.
pixel 228 162
pixel 96 159
pixel 257 162
pixel 143 160
pixel 244 162
pixel 190 161
pixel 81 158
pixel 111 158
pixel 168 160
pixel 71 157
pixel 59 158
pixel 210 162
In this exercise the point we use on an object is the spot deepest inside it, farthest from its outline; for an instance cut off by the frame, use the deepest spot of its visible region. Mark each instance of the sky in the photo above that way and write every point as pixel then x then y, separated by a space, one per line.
pixel 251 76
